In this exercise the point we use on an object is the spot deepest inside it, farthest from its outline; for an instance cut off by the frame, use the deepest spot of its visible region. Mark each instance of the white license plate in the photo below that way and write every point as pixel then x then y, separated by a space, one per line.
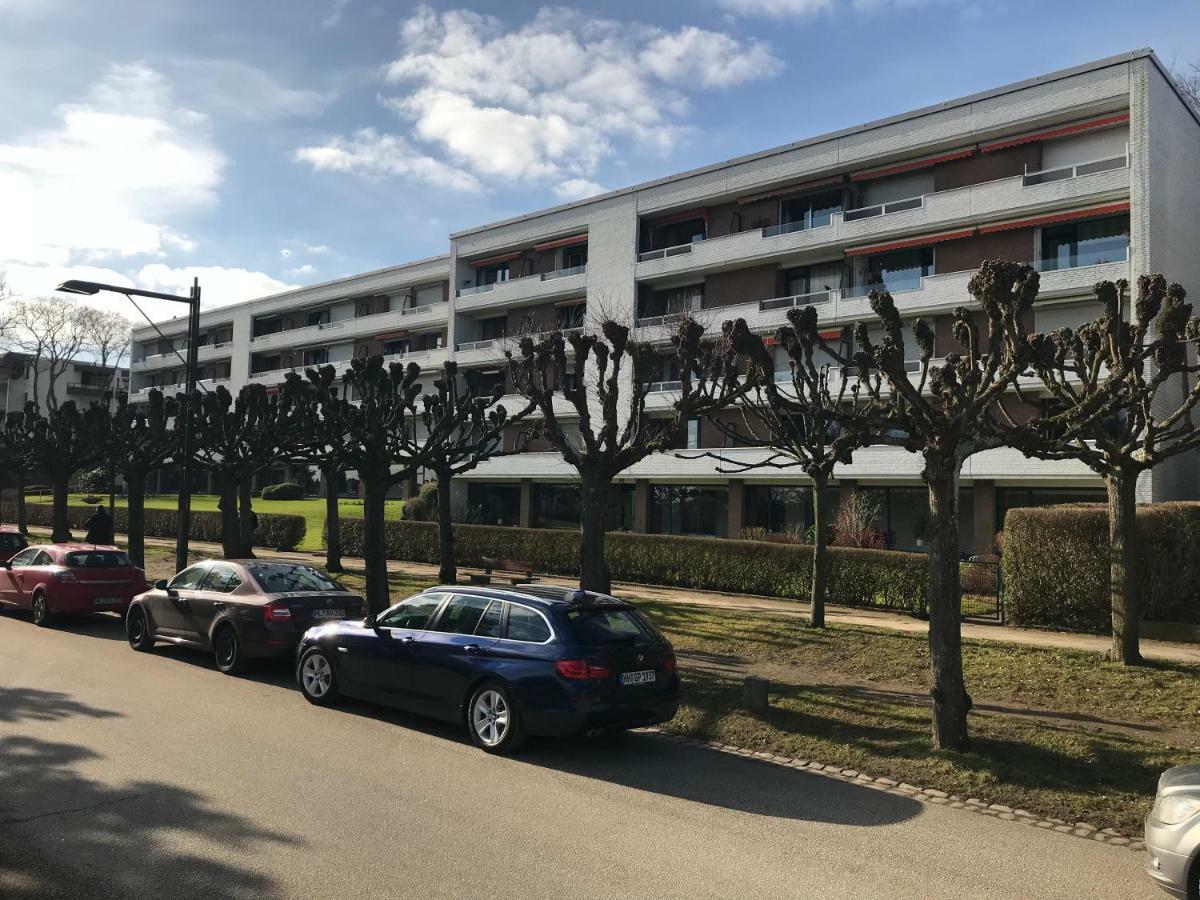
pixel 107 601
pixel 329 614
pixel 644 677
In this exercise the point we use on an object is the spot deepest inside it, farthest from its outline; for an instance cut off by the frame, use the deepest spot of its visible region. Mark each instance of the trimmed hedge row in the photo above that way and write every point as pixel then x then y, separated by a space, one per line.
pixel 285 490
pixel 1056 561
pixel 881 578
pixel 275 531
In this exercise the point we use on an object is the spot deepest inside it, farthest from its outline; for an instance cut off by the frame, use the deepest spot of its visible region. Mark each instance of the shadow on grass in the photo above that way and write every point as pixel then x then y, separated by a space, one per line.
pixel 65 834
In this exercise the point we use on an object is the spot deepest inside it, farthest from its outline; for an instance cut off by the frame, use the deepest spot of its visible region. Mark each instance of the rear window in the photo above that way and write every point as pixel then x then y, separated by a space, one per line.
pixel 98 559
pixel 279 578
pixel 11 541
pixel 604 626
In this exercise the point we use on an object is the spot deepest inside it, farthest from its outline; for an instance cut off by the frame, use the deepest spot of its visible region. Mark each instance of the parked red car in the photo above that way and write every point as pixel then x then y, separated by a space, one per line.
pixel 12 542
pixel 61 579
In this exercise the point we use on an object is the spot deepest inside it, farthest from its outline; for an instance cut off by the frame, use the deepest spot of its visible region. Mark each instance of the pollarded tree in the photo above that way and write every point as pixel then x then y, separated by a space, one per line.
pixel 813 421
pixel 605 383
pixel 1122 389
pixel 943 415
pixel 17 461
pixel 61 443
pixel 234 439
pixel 141 440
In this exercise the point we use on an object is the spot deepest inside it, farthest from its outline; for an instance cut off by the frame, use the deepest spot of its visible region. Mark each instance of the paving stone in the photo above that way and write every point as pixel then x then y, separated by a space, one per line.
pixel 1043 824
pixel 1024 814
pixel 850 773
pixel 886 782
pixel 1110 831
pixel 932 792
pixel 1000 808
pixel 1007 817
pixel 939 800
pixel 973 801
pixel 1080 832
pixel 1063 829
pixel 1085 826
pixel 908 788
pixel 1119 841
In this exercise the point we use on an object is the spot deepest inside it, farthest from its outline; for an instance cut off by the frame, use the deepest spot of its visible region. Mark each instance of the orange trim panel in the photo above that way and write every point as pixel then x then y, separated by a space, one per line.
pixel 1057 217
pixel 924 241
pixel 1055 132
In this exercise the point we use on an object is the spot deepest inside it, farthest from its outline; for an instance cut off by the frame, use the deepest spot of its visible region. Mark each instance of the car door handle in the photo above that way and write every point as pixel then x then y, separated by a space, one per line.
pixel 472 649
pixel 407 639
pixel 218 605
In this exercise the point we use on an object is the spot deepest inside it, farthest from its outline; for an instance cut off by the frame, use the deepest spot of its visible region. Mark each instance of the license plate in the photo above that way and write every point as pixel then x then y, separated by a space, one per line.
pixel 106 601
pixel 329 614
pixel 644 677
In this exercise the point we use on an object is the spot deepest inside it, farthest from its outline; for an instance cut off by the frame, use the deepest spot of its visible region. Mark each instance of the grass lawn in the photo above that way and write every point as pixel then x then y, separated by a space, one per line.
pixel 313 510
pixel 1062 734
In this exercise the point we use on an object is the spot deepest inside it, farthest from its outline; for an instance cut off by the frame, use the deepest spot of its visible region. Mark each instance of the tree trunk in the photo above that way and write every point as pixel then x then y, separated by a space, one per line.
pixel 448 570
pixel 230 539
pixel 950 700
pixel 1125 590
pixel 820 566
pixel 135 517
pixel 333 524
pixel 61 532
pixel 246 518
pixel 374 543
pixel 593 566
pixel 22 513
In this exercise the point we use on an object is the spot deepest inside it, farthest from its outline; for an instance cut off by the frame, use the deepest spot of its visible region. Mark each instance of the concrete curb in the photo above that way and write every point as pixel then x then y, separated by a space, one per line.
pixel 925 795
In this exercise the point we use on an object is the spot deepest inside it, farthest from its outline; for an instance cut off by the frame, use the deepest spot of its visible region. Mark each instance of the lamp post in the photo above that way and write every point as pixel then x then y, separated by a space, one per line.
pixel 185 484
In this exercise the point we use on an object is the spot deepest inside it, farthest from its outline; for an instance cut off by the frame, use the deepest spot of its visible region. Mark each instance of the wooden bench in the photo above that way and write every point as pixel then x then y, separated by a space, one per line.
pixel 512 570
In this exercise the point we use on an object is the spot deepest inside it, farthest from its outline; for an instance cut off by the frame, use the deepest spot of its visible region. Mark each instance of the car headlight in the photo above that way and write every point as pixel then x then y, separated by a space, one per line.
pixel 1176 808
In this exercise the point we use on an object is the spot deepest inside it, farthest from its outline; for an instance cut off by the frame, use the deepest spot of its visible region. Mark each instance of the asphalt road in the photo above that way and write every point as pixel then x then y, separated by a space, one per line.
pixel 153 775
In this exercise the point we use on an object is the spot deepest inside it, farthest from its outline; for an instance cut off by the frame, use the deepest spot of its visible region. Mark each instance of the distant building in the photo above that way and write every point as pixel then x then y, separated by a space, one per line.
pixel 81 381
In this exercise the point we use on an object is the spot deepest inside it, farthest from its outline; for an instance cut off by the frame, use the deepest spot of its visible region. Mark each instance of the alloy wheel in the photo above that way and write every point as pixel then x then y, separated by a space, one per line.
pixel 316 675
pixel 489 717
pixel 227 649
pixel 40 610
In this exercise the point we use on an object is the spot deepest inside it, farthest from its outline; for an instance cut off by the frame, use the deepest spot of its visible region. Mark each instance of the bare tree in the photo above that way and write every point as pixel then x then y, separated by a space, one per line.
pixel 1188 83
pixel 52 333
pixel 943 415
pixel 106 335
pixel 1120 401
pixel 141 439
pixel 813 422
pixel 605 382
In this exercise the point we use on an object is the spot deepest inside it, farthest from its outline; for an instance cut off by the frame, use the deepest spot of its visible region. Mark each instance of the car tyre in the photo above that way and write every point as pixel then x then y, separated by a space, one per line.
pixel 317 679
pixel 42 617
pixel 137 629
pixel 493 720
pixel 227 648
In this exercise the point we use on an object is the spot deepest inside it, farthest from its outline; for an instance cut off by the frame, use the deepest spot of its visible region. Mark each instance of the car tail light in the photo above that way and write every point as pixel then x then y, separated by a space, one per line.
pixel 277 612
pixel 65 575
pixel 580 670
pixel 669 661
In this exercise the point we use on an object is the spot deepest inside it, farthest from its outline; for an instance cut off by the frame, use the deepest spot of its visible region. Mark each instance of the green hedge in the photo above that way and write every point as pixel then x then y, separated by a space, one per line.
pixel 1056 565
pixel 274 531
pixel 285 490
pixel 858 577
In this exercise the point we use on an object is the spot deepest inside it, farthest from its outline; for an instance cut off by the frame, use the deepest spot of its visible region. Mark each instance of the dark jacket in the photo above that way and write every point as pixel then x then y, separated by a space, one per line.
pixel 99 527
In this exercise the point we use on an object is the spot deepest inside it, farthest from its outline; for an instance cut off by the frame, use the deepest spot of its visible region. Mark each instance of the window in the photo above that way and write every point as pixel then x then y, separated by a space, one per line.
pixel 188 579
pixel 810 211
pixel 493 504
pixel 396 348
pixel 492 274
pixel 672 302
pixel 1085 243
pixel 568 317
pixel 413 613
pixel 223 579
pixel 43 559
pixel 489 623
pixel 25 557
pixel 604 626
pixel 282 578
pixel 557 506
pixel 97 559
pixel 692 438
pixel 318 317
pixel 684 509
pixel 493 328
pixel 316 357
pixel 526 625
pixel 462 614
pixel 901 270
pixel 574 257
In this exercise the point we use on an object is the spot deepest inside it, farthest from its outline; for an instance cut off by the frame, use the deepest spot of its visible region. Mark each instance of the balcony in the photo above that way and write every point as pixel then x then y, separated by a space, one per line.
pixel 546 286
pixel 1032 193
pixel 349 329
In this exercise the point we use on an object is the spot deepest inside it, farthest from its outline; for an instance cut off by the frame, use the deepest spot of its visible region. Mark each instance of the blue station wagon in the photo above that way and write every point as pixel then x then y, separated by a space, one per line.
pixel 539 660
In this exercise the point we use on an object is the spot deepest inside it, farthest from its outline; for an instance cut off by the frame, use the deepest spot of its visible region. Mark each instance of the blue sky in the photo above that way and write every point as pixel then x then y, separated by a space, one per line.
pixel 268 144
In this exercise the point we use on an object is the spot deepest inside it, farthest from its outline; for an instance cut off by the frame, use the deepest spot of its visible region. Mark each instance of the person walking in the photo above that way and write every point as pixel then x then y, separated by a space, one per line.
pixel 99 527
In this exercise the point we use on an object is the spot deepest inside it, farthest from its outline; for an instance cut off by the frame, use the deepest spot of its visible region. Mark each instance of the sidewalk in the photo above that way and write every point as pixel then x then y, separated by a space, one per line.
pixel 837 615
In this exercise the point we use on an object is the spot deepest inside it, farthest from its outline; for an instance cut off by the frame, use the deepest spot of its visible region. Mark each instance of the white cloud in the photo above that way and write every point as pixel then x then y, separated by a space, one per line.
pixel 102 183
pixel 318 249
pixel 780 9
pixel 308 270
pixel 544 100
pixel 577 189
pixel 337 9
pixel 233 89
pixel 373 154
pixel 219 285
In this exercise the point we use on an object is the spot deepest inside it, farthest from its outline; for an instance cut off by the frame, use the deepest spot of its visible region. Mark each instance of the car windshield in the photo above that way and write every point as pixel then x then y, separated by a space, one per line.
pixel 280 578
pixel 11 541
pixel 605 626
pixel 98 559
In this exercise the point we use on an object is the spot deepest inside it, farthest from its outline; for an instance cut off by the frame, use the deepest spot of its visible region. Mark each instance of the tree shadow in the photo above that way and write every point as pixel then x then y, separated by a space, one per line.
pixel 725 780
pixel 64 834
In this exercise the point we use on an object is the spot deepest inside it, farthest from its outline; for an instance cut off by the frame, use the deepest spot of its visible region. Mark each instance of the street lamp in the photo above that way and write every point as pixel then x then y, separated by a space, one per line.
pixel 193 302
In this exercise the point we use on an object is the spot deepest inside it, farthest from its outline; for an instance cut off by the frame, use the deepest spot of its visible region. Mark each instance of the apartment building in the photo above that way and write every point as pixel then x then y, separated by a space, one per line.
pixel 79 380
pixel 1089 173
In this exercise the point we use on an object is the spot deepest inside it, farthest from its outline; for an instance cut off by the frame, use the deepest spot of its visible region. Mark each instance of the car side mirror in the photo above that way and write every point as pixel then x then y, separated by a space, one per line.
pixel 5 564
pixel 161 584
pixel 369 621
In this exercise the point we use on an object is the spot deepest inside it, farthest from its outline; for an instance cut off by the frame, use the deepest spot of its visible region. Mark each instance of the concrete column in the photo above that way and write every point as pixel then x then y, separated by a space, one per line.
pixel 525 519
pixel 737 507
pixel 641 506
pixel 984 493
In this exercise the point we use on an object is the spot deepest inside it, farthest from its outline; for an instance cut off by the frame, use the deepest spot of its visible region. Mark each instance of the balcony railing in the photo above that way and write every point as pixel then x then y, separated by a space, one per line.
pixel 677 250
pixel 479 345
pixel 564 273
pixel 83 388
pixel 1063 173
pixel 797 300
pixel 538 276
pixel 659 387
pixel 477 289
pixel 1093 257
pixel 798 225
pixel 883 209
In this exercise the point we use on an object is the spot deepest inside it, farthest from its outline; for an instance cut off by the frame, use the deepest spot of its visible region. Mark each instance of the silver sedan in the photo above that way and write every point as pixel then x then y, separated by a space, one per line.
pixel 1173 833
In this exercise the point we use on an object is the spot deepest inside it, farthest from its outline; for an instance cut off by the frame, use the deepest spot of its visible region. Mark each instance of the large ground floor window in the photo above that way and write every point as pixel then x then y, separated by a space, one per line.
pixel 688 509
pixel 493 504
pixel 556 506
pixel 1014 498
pixel 784 508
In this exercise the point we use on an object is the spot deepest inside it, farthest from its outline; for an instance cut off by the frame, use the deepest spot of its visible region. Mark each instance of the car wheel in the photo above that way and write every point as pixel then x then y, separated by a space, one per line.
pixel 227 648
pixel 492 719
pixel 318 683
pixel 42 617
pixel 137 629
pixel 1193 884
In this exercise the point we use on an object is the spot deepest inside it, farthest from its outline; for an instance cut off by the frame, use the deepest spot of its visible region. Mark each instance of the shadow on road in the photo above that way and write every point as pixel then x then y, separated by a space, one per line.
pixel 706 776
pixel 107 626
pixel 64 834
